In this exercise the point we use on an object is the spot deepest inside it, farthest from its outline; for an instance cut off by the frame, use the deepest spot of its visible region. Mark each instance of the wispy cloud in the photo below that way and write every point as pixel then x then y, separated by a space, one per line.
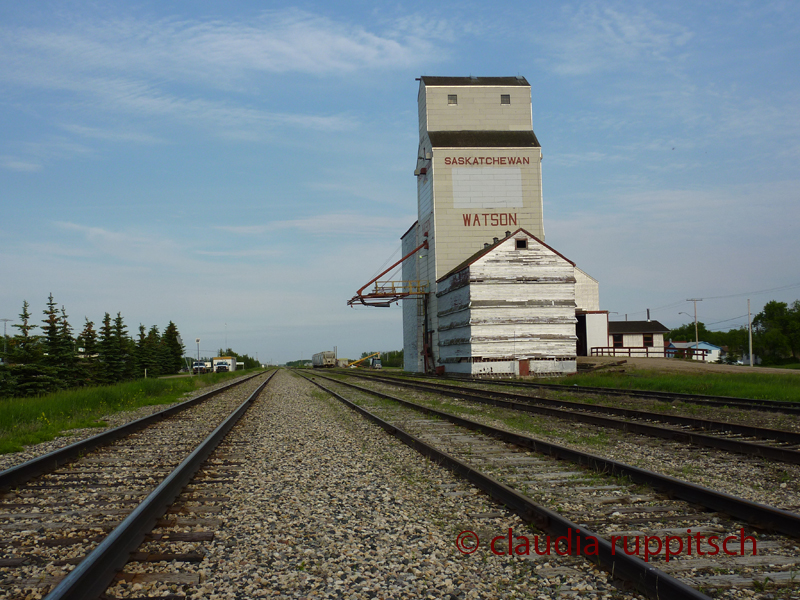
pixel 331 224
pixel 601 37
pixel 218 53
pixel 13 164
pixel 141 250
pixel 210 75
pixel 114 135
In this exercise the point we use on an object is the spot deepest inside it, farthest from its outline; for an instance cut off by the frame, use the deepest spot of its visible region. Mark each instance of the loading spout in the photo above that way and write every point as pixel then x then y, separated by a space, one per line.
pixel 387 292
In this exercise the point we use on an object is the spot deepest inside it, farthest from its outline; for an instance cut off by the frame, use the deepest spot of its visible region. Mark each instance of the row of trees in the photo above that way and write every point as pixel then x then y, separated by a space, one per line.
pixel 55 359
pixel 776 335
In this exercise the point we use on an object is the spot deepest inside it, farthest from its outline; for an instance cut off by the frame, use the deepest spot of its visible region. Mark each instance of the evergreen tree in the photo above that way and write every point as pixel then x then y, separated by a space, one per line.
pixel 24 348
pixel 172 349
pixel 153 352
pixel 50 340
pixel 141 350
pixel 87 367
pixel 28 377
pixel 106 351
pixel 125 348
pixel 65 351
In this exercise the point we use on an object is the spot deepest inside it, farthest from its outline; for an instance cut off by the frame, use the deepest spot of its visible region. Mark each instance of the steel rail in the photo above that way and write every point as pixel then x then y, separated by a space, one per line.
pixel 781 435
pixel 647 579
pixel 527 404
pixel 760 515
pixel 96 572
pixel 26 471
pixel 779 406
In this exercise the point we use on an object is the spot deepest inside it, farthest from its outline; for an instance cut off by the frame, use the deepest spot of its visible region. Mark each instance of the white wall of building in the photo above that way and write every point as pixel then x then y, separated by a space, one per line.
pixel 412 337
pixel 509 305
pixel 478 107
pixel 476 203
pixel 596 330
pixel 587 291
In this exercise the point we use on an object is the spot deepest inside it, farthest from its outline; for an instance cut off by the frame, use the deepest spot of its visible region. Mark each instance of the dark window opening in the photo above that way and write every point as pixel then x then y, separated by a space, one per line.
pixel 452 99
pixel 617 340
pixel 505 98
pixel 648 340
pixel 522 244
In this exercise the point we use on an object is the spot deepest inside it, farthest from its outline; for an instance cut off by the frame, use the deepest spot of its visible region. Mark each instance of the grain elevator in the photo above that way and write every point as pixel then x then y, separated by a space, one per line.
pixel 497 299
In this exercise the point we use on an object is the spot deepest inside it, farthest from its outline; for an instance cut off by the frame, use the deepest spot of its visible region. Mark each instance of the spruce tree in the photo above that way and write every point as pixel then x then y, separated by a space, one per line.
pixel 25 345
pixel 50 341
pixel 173 349
pixel 153 352
pixel 106 351
pixel 28 377
pixel 66 350
pixel 126 349
pixel 87 367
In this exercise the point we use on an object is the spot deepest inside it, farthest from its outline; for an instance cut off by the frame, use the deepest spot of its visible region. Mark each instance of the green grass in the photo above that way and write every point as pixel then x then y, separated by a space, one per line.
pixel 25 421
pixel 762 386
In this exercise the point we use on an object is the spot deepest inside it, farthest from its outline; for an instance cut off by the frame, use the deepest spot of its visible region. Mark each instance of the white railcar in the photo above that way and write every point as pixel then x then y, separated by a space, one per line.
pixel 322 360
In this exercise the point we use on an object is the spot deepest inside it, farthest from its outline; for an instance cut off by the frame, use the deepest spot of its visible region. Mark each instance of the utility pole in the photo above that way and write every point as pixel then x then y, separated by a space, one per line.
pixel 5 338
pixel 750 333
pixel 696 338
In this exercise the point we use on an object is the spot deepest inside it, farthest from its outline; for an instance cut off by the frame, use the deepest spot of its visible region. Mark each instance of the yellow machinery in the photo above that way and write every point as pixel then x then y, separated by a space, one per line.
pixel 353 364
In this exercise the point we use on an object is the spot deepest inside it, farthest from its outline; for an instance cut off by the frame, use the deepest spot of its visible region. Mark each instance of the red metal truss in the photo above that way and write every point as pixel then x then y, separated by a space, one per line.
pixel 387 292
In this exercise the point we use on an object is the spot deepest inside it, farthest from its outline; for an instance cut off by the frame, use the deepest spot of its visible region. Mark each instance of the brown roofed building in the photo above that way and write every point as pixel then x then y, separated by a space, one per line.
pixel 635 338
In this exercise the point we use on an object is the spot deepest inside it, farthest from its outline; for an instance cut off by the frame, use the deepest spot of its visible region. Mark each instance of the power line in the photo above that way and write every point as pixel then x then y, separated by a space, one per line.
pixel 726 320
pixel 737 295
pixel 777 289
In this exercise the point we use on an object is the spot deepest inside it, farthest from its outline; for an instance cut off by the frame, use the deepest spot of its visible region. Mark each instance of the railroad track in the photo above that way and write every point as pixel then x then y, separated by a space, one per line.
pixel 70 523
pixel 771 444
pixel 777 406
pixel 589 500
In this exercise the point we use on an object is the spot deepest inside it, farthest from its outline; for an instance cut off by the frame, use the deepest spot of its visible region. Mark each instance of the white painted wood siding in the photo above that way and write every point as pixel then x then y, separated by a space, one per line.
pixel 511 303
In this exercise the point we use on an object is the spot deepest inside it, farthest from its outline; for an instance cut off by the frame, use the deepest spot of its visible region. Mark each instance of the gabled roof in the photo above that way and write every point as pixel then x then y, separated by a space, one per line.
pixel 636 327
pixel 701 344
pixel 485 81
pixel 483 139
pixel 486 250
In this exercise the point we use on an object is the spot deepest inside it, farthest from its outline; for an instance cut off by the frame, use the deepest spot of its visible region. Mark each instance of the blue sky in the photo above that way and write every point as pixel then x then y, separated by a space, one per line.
pixel 241 168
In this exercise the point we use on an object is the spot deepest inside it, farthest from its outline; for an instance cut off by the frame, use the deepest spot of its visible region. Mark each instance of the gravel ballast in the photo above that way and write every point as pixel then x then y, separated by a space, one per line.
pixel 327 505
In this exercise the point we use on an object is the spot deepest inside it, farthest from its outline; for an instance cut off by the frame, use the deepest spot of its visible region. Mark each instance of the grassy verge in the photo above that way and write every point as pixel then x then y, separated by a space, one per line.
pixel 25 421
pixel 762 386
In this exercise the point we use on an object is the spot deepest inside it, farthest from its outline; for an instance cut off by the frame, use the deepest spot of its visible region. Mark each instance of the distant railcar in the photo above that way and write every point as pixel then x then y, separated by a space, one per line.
pixel 324 360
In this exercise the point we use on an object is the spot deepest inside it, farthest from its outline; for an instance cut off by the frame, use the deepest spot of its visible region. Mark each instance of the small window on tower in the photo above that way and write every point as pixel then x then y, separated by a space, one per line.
pixel 522 244
pixel 452 99
pixel 505 98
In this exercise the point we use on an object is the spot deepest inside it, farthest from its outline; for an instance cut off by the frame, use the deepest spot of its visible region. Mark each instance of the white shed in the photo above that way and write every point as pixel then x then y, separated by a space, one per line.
pixel 509 309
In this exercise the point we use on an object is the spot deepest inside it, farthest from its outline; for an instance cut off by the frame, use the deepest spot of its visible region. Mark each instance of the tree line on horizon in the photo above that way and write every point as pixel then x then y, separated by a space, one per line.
pixel 38 364
pixel 776 335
